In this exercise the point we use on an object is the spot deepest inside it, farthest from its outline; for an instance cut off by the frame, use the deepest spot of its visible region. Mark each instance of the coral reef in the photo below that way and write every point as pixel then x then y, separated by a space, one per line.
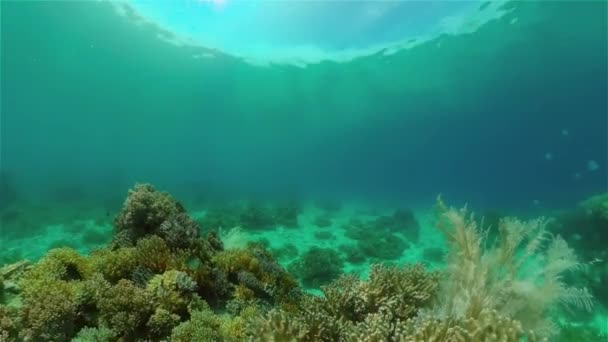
pixel 353 310
pixel 147 211
pixel 375 240
pixel 318 266
pixel 401 221
pixel 480 278
pixel 159 281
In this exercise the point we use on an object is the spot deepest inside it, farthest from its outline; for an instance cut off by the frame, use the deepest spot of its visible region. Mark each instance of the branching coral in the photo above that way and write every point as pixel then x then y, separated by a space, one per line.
pixel 125 308
pixel 153 254
pixel 147 211
pixel 95 334
pixel 402 291
pixel 160 280
pixel 52 294
pixel 114 264
pixel 254 268
pixel 50 310
pixel 277 326
pixel 179 231
pixel 355 310
pixel 171 291
pixel 161 323
pixel 488 326
pixel 203 326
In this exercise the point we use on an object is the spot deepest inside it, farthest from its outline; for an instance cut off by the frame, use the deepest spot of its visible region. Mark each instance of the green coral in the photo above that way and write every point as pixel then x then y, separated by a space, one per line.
pixel 125 308
pixel 114 264
pixel 203 326
pixel 171 291
pixel 162 322
pixel 52 295
pixel 489 326
pixel 254 268
pixel 95 334
pixel 154 254
pixel 50 310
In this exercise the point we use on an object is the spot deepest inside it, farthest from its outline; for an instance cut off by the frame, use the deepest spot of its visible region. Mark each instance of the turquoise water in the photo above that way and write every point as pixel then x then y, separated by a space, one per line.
pixel 306 112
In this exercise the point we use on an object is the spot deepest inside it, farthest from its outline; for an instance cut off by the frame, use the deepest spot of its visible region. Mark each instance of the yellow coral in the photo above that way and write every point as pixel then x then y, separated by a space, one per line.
pixel 61 264
pixel 114 264
pixel 171 291
pixel 153 254
pixel 235 260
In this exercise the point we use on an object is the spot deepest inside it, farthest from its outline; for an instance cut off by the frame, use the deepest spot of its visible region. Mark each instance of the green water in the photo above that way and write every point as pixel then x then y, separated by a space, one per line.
pixel 331 166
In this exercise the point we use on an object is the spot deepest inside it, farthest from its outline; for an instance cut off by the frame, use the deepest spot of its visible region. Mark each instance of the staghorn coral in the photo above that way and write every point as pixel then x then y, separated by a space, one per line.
pixel 354 310
pixel 488 326
pixel 276 326
pixel 402 291
pixel 234 329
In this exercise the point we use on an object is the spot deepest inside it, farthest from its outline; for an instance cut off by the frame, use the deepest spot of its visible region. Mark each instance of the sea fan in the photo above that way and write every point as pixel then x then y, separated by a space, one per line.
pixel 520 276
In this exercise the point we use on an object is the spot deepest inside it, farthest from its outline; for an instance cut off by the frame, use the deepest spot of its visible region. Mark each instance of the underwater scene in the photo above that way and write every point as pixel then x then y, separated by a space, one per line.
pixel 294 170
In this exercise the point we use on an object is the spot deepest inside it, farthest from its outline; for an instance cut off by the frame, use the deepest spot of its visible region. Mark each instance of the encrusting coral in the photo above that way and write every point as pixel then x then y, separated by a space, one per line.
pixel 160 281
